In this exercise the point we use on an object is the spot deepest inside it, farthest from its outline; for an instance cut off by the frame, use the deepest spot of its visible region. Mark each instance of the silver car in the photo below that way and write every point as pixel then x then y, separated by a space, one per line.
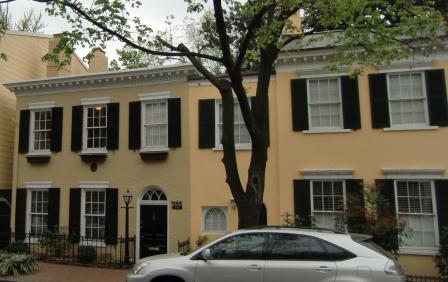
pixel 274 254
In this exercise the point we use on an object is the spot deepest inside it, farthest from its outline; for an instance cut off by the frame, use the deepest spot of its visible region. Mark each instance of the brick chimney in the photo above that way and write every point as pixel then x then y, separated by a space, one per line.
pixel 99 62
pixel 296 26
pixel 52 69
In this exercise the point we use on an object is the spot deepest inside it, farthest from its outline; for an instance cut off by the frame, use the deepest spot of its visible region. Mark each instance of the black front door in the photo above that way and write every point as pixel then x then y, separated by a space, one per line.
pixel 153 230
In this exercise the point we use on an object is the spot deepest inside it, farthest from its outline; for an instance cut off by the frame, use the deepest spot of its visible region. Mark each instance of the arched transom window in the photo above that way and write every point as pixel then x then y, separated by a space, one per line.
pixel 215 220
pixel 154 195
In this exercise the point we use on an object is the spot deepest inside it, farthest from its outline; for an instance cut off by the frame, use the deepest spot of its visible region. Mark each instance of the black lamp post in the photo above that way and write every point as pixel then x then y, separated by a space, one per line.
pixel 127 198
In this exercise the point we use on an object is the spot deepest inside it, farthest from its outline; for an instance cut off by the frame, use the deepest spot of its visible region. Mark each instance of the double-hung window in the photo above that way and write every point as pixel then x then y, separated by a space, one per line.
pixel 325 103
pixel 416 206
pixel 38 212
pixel 41 121
pixel 328 198
pixel 155 124
pixel 93 220
pixel 241 135
pixel 95 137
pixel 407 99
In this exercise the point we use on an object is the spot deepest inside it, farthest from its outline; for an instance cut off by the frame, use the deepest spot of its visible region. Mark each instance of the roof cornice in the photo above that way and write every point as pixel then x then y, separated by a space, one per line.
pixel 105 80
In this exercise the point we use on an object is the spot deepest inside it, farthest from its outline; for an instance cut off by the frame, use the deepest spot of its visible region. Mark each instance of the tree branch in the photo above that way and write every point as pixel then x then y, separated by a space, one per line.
pixel 223 38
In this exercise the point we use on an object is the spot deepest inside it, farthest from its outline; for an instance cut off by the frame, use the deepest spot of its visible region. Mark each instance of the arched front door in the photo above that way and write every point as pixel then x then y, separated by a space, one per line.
pixel 153 223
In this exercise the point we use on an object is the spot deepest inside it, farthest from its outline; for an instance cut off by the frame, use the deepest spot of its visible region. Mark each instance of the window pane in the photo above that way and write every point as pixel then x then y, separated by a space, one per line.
pixel 296 247
pixel 240 247
pixel 215 220
pixel 156 124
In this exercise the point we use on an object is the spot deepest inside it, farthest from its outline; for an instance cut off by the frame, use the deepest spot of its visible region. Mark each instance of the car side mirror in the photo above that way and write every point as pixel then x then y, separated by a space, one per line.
pixel 206 255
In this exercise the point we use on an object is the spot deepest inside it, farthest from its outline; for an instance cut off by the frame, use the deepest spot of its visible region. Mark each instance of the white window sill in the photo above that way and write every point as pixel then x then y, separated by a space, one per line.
pixel 420 252
pixel 39 154
pixel 247 147
pixel 329 130
pixel 214 232
pixel 93 243
pixel 154 150
pixel 410 128
pixel 93 152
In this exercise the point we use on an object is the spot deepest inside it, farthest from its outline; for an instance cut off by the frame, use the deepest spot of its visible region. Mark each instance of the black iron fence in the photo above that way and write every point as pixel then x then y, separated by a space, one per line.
pixel 410 278
pixel 65 249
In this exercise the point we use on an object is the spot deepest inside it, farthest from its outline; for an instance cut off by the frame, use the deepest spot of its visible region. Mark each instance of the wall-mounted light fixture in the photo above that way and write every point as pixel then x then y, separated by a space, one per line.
pixel 232 203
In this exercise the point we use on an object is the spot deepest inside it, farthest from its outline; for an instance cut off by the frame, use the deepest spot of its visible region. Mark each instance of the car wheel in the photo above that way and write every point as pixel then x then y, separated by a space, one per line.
pixel 167 279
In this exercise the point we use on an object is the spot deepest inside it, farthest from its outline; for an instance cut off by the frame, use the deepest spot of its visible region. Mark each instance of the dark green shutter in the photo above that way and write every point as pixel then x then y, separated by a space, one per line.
pixel 355 204
pixel 77 125
pixel 299 103
pixel 53 209
pixel 350 102
pixel 379 103
pixel 24 131
pixel 111 232
pixel 387 211
pixel 135 109
pixel 174 123
pixel 302 202
pixel 20 214
pixel 206 124
pixel 441 187
pixel 56 129
pixel 437 101
pixel 113 126
pixel 74 224
pixel 254 105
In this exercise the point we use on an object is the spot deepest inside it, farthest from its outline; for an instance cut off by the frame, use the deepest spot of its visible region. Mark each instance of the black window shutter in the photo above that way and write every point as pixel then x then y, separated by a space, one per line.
pixel 437 101
pixel 174 123
pixel 355 204
pixel 113 125
pixel 74 224
pixel 299 103
pixel 379 103
pixel 254 104
pixel 387 191
pixel 441 198
pixel 77 125
pixel 5 217
pixel 302 202
pixel 24 131
pixel 111 216
pixel 350 102
pixel 206 124
pixel 56 129
pixel 135 114
pixel 20 214
pixel 53 209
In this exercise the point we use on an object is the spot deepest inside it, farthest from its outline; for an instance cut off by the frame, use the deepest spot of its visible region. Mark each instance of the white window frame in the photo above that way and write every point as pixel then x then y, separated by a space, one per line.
pixel 33 186
pixel 85 149
pixel 424 125
pixel 145 147
pixel 94 186
pixel 344 195
pixel 417 250
pixel 205 210
pixel 341 111
pixel 32 150
pixel 218 145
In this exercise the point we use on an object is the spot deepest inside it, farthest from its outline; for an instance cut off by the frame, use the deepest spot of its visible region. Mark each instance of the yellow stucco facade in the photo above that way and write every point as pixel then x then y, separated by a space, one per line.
pixel 195 176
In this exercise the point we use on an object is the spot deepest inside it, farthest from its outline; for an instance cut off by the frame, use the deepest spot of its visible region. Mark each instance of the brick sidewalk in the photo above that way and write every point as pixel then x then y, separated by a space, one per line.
pixel 49 272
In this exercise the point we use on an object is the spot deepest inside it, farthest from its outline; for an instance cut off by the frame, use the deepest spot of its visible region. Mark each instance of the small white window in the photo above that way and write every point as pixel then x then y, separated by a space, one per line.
pixel 416 206
pixel 95 127
pixel 328 200
pixel 325 103
pixel 241 135
pixel 155 124
pixel 407 99
pixel 214 220
pixel 40 137
pixel 93 218
pixel 38 212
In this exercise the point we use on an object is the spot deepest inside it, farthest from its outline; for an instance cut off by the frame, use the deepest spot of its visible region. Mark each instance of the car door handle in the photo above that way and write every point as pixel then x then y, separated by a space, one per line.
pixel 324 269
pixel 254 267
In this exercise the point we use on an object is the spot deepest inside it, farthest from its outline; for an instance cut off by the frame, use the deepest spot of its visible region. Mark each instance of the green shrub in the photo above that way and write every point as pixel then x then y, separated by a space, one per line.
pixel 441 258
pixel 15 264
pixel 86 254
pixel 201 240
pixel 18 247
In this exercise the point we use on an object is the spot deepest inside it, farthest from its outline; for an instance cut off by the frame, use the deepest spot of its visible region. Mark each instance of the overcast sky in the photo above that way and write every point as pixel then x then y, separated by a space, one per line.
pixel 153 13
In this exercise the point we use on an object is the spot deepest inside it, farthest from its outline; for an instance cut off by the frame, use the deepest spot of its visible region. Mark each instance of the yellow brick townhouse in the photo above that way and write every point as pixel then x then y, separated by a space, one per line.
pixel 83 141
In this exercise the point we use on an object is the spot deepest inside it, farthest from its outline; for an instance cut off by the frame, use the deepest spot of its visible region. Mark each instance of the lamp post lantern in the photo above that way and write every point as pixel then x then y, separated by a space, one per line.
pixel 127 198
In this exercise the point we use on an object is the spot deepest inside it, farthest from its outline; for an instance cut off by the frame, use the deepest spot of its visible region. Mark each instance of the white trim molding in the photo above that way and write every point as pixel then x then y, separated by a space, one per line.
pixel 93 184
pixel 413 173
pixel 95 101
pixel 38 184
pixel 327 173
pixel 154 96
pixel 41 105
